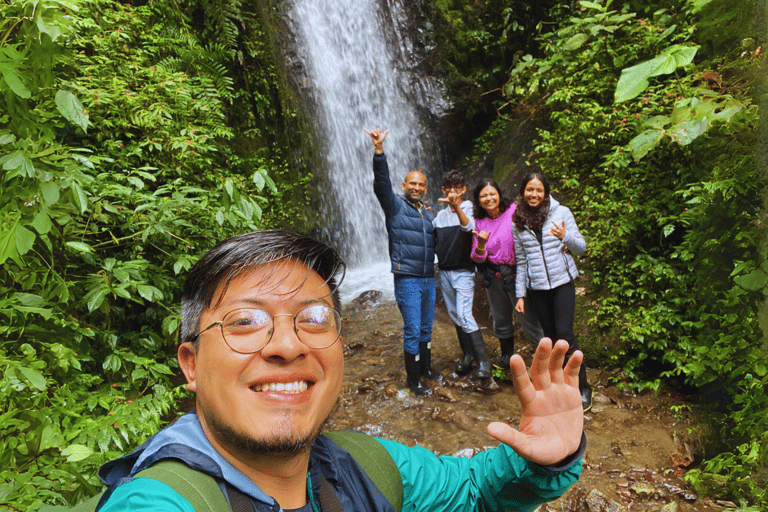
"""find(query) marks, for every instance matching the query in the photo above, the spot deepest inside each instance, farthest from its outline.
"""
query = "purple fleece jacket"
(500, 247)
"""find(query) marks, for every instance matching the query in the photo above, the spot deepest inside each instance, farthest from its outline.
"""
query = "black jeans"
(554, 308)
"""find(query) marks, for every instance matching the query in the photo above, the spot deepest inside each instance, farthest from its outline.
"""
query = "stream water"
(638, 447)
(356, 60)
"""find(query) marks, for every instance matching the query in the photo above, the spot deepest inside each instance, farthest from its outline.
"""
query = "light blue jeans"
(458, 287)
(415, 298)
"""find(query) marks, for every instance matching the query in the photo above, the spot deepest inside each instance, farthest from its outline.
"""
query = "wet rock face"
(365, 299)
(637, 449)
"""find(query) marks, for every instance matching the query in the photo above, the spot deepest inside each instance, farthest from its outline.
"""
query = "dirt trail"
(638, 446)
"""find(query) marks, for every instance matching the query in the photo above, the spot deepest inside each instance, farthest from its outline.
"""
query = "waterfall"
(355, 60)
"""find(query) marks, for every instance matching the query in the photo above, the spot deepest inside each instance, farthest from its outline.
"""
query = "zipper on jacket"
(543, 258)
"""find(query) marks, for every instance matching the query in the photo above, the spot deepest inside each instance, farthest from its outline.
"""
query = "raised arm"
(382, 184)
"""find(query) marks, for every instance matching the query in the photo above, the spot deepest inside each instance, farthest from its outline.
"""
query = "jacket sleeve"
(145, 495)
(467, 209)
(522, 263)
(382, 185)
(573, 239)
(494, 480)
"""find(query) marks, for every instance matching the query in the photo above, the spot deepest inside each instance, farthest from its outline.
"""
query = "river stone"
(365, 299)
(391, 390)
(462, 421)
(599, 502)
(446, 394)
(642, 489)
(600, 398)
(671, 507)
(488, 387)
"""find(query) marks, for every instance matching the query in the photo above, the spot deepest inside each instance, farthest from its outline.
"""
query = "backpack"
(204, 494)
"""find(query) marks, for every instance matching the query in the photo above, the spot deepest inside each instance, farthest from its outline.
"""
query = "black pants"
(554, 309)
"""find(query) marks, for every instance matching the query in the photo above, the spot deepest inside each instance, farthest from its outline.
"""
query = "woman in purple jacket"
(493, 248)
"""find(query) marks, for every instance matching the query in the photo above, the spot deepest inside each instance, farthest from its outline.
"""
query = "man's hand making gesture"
(553, 420)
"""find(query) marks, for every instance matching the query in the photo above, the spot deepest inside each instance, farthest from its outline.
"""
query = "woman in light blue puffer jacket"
(546, 237)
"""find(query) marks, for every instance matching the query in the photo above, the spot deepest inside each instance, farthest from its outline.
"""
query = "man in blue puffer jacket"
(412, 253)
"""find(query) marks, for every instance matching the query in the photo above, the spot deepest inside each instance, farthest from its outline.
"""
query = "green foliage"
(117, 168)
(654, 146)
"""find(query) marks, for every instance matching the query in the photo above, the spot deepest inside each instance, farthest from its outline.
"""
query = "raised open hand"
(553, 420)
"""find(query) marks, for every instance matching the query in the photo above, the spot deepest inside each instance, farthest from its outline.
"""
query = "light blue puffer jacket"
(544, 266)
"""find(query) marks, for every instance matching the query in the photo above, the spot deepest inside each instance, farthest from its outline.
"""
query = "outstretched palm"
(552, 421)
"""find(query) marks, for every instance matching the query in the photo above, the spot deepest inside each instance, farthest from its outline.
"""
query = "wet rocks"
(365, 300)
(599, 502)
(446, 394)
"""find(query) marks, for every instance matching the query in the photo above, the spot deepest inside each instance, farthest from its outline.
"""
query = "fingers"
(524, 389)
(556, 361)
(504, 433)
(571, 370)
(540, 375)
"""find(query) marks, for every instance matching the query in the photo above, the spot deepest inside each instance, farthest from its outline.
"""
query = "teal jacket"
(497, 479)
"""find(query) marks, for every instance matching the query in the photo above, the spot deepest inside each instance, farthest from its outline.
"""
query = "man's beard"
(278, 444)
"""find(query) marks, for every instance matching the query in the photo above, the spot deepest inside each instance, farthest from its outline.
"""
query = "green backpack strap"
(375, 461)
(199, 489)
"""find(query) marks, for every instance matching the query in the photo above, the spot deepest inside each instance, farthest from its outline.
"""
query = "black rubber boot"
(507, 351)
(465, 342)
(585, 389)
(481, 355)
(425, 361)
(412, 371)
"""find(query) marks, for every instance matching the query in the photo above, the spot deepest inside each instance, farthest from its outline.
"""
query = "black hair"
(454, 177)
(533, 218)
(479, 211)
(236, 255)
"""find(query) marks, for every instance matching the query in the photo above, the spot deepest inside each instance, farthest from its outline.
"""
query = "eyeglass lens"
(249, 330)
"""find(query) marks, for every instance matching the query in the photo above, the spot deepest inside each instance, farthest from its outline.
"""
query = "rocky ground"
(639, 446)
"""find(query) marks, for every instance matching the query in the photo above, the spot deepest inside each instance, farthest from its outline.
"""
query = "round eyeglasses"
(249, 330)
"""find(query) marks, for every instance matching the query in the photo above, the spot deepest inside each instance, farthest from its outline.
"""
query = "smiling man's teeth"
(283, 387)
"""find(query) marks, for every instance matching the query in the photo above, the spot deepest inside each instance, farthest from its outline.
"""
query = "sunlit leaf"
(76, 452)
(34, 377)
(71, 108)
(575, 42)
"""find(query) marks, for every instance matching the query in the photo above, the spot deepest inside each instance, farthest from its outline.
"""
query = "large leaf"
(14, 83)
(645, 142)
(71, 108)
(575, 42)
(685, 133)
(634, 80)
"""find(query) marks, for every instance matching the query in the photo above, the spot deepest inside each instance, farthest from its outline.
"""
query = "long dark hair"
(479, 211)
(525, 216)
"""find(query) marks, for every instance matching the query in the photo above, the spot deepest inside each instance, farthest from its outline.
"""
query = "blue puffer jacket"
(544, 266)
(410, 230)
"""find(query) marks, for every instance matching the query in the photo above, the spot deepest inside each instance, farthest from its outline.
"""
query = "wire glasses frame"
(248, 330)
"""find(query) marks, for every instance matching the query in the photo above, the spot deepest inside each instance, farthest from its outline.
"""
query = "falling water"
(353, 56)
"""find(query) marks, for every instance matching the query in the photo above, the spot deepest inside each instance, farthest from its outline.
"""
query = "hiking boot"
(507, 351)
(425, 362)
(585, 389)
(481, 355)
(465, 342)
(412, 371)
